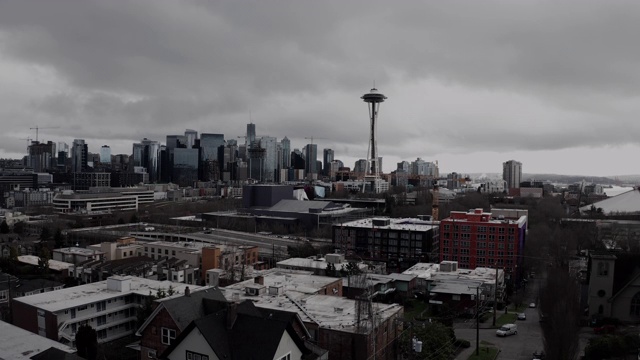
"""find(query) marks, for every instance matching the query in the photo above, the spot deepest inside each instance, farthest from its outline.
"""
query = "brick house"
(172, 315)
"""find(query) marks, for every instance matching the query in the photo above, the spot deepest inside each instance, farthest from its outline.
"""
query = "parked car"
(538, 355)
(532, 305)
(522, 316)
(604, 329)
(507, 329)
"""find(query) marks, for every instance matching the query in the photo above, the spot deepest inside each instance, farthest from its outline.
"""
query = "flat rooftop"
(327, 311)
(78, 251)
(20, 344)
(53, 264)
(412, 224)
(193, 245)
(431, 271)
(319, 264)
(300, 281)
(90, 293)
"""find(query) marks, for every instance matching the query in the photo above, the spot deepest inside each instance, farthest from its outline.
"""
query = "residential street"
(515, 347)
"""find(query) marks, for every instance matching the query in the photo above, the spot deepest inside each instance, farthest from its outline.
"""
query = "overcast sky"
(553, 84)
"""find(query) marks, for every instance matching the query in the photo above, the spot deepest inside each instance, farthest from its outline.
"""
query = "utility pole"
(478, 321)
(495, 297)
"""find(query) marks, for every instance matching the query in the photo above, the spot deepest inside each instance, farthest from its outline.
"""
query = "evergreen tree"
(58, 238)
(87, 342)
(4, 227)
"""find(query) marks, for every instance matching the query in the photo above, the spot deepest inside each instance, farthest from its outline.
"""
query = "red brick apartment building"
(478, 238)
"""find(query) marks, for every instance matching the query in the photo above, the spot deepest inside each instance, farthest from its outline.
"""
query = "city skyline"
(470, 85)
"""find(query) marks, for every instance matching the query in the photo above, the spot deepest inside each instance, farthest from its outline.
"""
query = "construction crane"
(313, 137)
(435, 203)
(37, 128)
(28, 142)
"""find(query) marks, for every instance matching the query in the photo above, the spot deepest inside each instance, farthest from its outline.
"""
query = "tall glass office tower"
(79, 155)
(147, 154)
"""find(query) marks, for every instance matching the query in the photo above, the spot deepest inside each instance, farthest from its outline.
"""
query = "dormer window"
(603, 268)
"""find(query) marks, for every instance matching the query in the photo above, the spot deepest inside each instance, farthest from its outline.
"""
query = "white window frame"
(166, 332)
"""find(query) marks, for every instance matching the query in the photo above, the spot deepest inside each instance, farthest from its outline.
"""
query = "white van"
(507, 329)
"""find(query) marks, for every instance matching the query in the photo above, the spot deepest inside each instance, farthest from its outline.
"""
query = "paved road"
(515, 347)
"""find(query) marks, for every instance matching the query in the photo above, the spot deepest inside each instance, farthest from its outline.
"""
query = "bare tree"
(560, 304)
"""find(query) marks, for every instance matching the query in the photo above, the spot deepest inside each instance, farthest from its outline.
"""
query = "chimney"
(259, 280)
(187, 291)
(232, 314)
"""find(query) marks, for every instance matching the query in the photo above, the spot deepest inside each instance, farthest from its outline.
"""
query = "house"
(172, 315)
(614, 286)
(240, 331)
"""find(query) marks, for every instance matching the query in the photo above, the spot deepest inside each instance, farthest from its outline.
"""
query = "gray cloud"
(461, 76)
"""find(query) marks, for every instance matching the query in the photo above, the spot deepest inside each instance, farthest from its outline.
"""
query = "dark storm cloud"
(461, 76)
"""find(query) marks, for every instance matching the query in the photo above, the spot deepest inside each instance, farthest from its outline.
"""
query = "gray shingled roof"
(251, 326)
(185, 309)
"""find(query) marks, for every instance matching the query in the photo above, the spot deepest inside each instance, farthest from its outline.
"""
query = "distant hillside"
(567, 179)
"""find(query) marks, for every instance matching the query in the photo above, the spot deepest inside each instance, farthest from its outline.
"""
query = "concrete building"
(110, 307)
(88, 180)
(76, 255)
(493, 187)
(318, 265)
(330, 319)
(101, 200)
(105, 154)
(485, 239)
(512, 173)
(424, 168)
(399, 242)
(19, 344)
(125, 247)
(446, 283)
(201, 255)
(41, 156)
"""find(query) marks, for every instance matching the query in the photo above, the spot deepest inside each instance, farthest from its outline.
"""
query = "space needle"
(373, 100)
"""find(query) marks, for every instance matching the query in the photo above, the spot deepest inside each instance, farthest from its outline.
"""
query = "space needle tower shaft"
(373, 100)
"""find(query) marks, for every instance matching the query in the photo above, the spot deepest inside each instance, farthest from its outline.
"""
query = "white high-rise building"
(512, 173)
(105, 154)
